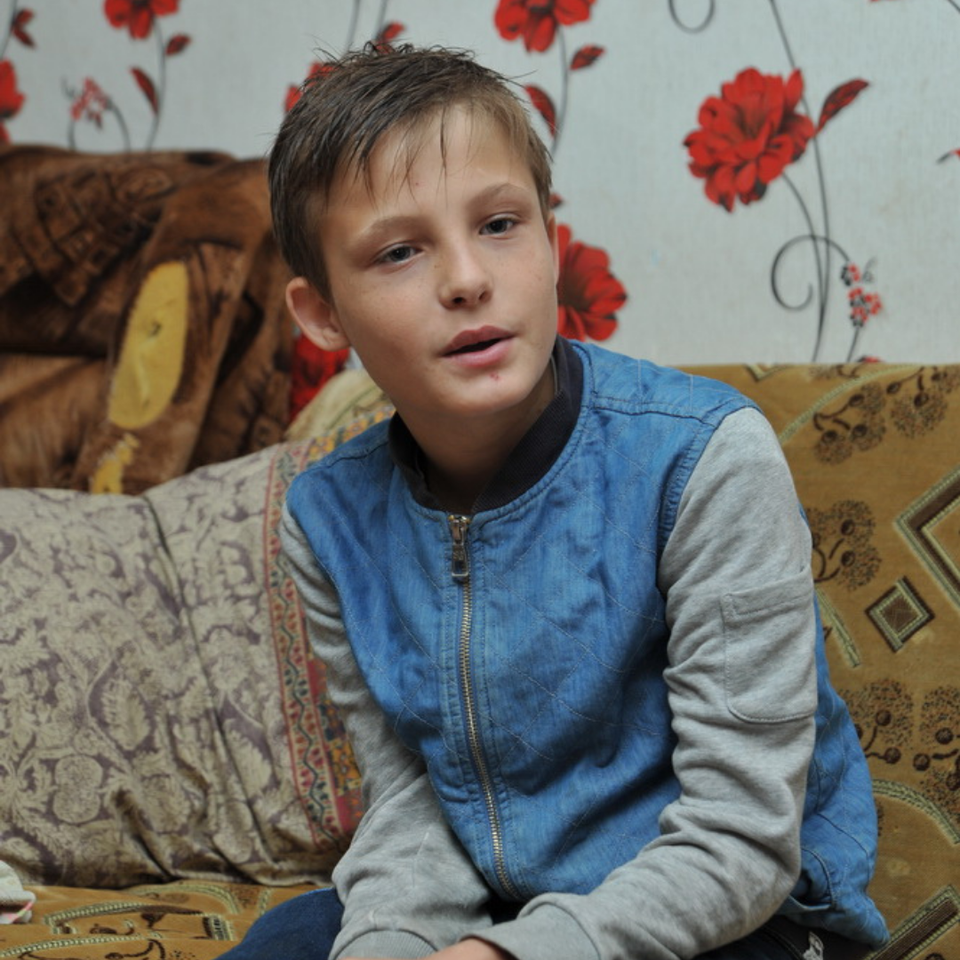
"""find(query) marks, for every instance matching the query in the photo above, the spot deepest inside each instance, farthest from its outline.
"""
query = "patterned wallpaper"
(734, 179)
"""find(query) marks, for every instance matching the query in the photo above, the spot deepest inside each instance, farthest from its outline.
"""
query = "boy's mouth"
(475, 341)
(476, 347)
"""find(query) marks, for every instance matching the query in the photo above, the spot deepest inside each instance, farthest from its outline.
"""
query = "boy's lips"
(474, 341)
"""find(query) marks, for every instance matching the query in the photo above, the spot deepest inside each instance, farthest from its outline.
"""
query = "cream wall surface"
(827, 127)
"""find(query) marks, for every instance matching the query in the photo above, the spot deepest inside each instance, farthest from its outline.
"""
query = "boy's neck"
(458, 491)
(461, 460)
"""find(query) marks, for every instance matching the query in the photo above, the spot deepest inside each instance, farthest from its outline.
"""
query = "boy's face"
(442, 276)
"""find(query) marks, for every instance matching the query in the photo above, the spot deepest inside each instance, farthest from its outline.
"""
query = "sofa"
(170, 764)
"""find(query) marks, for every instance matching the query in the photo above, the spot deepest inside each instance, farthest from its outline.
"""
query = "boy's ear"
(315, 315)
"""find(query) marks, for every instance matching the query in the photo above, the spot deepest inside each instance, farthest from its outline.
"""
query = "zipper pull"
(459, 565)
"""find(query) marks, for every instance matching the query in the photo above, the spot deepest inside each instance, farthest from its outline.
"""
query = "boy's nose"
(465, 281)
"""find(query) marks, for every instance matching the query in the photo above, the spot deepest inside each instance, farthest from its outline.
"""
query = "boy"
(564, 597)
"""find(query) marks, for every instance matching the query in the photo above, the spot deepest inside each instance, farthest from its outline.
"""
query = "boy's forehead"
(454, 135)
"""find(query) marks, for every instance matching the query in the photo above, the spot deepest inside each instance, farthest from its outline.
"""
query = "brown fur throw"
(142, 324)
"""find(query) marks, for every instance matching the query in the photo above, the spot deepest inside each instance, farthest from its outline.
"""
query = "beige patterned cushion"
(160, 714)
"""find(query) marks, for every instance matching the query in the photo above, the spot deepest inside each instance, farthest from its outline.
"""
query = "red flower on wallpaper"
(589, 294)
(90, 103)
(537, 20)
(138, 15)
(748, 136)
(863, 305)
(11, 99)
(310, 370)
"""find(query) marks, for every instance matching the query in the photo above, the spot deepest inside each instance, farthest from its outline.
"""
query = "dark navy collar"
(530, 459)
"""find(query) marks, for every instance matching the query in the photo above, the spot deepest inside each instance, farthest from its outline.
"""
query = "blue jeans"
(304, 928)
(781, 939)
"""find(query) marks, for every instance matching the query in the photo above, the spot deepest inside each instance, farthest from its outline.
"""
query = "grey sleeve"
(407, 885)
(742, 688)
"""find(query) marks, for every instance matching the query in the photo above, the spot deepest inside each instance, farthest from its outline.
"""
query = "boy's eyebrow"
(506, 191)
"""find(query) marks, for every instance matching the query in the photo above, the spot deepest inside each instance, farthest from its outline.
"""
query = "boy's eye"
(499, 225)
(398, 254)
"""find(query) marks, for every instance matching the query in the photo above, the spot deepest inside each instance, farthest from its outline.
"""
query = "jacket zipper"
(460, 572)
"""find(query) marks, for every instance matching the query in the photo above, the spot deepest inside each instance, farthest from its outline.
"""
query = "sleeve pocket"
(769, 651)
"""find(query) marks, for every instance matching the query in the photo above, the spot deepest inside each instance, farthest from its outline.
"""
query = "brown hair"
(349, 104)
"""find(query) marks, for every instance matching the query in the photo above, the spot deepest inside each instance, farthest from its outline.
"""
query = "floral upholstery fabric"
(875, 453)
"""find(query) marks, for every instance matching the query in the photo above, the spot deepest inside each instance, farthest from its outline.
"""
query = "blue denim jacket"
(521, 651)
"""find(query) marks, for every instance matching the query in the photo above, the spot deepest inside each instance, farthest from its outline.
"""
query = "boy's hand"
(471, 949)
